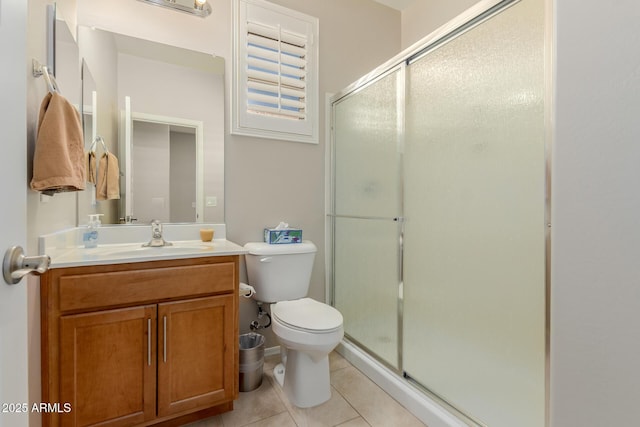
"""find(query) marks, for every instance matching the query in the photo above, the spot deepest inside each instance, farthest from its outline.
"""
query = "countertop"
(123, 244)
(135, 252)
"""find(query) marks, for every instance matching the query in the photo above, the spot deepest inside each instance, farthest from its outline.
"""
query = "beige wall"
(49, 213)
(595, 306)
(355, 36)
(422, 17)
(43, 215)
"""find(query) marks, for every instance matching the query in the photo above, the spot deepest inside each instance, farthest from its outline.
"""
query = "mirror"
(160, 111)
(66, 59)
(88, 107)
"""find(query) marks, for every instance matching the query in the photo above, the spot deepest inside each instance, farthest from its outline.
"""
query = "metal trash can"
(251, 361)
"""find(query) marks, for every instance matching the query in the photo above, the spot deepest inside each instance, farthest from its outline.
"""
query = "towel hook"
(94, 143)
(42, 70)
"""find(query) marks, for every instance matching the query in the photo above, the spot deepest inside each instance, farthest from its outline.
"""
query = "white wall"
(182, 176)
(595, 295)
(150, 177)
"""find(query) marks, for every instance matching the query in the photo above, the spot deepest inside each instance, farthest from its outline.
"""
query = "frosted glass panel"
(366, 250)
(474, 272)
(366, 277)
(366, 155)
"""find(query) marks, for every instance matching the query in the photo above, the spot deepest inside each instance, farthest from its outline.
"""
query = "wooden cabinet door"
(196, 353)
(108, 367)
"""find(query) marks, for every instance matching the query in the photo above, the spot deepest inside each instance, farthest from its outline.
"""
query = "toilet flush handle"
(265, 259)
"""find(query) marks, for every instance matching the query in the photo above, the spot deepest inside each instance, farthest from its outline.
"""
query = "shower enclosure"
(439, 214)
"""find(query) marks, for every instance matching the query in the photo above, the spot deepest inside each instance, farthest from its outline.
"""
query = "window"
(275, 79)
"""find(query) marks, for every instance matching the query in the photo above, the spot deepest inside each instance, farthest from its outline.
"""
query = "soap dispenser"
(90, 235)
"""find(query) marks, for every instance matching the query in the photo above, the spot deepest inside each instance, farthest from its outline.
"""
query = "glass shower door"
(366, 207)
(474, 266)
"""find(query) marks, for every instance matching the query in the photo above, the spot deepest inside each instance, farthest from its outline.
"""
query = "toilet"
(307, 330)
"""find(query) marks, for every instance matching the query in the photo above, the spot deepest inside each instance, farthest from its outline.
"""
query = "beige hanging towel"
(91, 167)
(108, 186)
(58, 161)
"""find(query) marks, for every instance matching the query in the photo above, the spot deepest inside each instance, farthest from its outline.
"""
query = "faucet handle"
(156, 235)
(156, 229)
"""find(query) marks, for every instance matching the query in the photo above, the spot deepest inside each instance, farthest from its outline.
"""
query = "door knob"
(16, 265)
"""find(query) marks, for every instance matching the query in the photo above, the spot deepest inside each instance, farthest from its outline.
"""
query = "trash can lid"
(251, 340)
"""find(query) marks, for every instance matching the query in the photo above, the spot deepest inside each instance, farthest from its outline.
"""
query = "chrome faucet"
(156, 235)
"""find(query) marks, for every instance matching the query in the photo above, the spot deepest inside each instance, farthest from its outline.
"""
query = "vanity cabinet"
(138, 344)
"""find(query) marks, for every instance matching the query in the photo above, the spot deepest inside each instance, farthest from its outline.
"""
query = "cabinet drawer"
(85, 291)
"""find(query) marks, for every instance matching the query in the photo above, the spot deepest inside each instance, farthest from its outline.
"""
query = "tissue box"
(279, 236)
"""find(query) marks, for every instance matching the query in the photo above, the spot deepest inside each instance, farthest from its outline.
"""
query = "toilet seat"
(307, 315)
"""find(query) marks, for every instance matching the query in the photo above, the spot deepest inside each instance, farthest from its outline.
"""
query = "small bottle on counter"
(90, 235)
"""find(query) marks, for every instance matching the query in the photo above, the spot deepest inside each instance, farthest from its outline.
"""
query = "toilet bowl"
(308, 331)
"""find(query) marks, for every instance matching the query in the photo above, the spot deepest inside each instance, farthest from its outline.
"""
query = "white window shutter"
(275, 72)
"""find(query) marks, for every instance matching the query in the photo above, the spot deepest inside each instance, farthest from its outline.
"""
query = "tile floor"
(355, 402)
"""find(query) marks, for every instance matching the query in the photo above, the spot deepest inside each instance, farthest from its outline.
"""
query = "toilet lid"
(262, 248)
(306, 313)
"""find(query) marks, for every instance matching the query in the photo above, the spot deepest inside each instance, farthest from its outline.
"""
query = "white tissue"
(246, 291)
(282, 226)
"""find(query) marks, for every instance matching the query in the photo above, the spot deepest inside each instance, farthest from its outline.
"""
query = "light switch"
(212, 201)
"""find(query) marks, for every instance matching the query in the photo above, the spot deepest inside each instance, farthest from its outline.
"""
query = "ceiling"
(395, 4)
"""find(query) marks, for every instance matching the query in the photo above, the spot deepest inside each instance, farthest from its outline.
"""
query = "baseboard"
(272, 351)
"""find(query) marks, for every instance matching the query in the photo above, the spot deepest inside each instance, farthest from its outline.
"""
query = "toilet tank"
(280, 272)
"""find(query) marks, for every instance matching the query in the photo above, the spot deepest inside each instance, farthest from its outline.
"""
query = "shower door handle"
(376, 218)
(16, 265)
